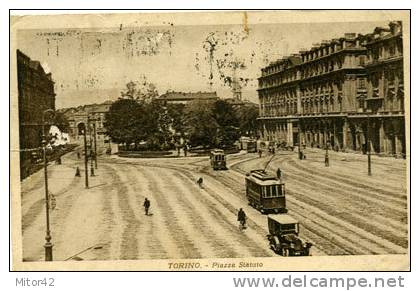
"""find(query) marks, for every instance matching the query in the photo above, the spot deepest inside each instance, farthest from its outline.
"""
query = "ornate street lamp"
(327, 158)
(368, 149)
(48, 245)
(86, 157)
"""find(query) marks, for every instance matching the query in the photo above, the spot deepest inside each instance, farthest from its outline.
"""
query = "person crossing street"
(242, 219)
(146, 205)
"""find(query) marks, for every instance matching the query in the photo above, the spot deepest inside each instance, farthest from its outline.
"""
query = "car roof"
(282, 218)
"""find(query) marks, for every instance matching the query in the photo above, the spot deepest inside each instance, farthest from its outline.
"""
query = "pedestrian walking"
(260, 152)
(78, 155)
(185, 150)
(200, 182)
(77, 172)
(146, 205)
(279, 173)
(242, 219)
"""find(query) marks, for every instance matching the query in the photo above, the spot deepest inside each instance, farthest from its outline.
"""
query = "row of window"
(391, 50)
(265, 191)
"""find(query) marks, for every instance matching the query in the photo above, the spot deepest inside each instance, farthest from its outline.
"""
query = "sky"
(94, 65)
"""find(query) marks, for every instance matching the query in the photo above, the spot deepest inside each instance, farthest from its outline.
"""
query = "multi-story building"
(333, 94)
(385, 90)
(279, 98)
(35, 95)
(80, 117)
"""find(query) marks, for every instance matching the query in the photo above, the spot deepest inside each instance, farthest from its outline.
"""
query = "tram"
(265, 192)
(218, 160)
(251, 146)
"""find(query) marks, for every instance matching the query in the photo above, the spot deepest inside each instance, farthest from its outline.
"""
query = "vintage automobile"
(218, 159)
(265, 192)
(283, 236)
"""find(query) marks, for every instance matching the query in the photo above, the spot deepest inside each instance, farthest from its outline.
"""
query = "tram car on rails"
(251, 146)
(265, 192)
(284, 236)
(218, 160)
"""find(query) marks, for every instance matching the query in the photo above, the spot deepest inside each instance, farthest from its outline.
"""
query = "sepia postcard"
(210, 141)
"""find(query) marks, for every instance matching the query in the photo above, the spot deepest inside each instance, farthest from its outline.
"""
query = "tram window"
(275, 192)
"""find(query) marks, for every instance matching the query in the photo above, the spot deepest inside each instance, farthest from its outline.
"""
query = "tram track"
(389, 247)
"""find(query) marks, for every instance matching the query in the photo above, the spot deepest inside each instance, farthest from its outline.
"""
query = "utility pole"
(327, 158)
(94, 140)
(368, 150)
(86, 159)
(299, 149)
(92, 170)
(48, 245)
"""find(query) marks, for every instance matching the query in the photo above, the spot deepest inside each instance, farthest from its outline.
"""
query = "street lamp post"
(94, 140)
(299, 154)
(92, 170)
(48, 245)
(368, 151)
(86, 159)
(327, 158)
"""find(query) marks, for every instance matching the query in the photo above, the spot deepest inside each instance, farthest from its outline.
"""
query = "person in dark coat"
(278, 173)
(146, 205)
(200, 182)
(242, 218)
(260, 152)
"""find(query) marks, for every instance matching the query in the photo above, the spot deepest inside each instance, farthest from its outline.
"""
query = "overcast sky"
(94, 65)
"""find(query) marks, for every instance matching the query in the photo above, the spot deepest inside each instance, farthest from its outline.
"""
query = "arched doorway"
(80, 128)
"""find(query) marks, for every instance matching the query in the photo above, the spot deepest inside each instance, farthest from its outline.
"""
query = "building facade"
(86, 116)
(346, 93)
(35, 95)
(384, 102)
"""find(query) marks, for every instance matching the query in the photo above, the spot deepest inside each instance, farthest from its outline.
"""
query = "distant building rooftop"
(188, 96)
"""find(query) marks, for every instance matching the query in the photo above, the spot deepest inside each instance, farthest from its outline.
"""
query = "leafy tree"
(201, 126)
(122, 123)
(247, 116)
(176, 114)
(142, 91)
(61, 121)
(227, 121)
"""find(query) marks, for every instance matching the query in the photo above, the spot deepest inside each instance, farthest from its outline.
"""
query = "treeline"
(152, 125)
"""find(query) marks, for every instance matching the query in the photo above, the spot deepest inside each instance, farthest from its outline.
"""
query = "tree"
(176, 113)
(142, 91)
(247, 116)
(61, 121)
(122, 121)
(227, 121)
(201, 126)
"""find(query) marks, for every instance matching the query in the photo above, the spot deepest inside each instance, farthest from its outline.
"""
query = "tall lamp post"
(368, 150)
(299, 150)
(94, 141)
(327, 158)
(48, 245)
(94, 147)
(92, 170)
(86, 158)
